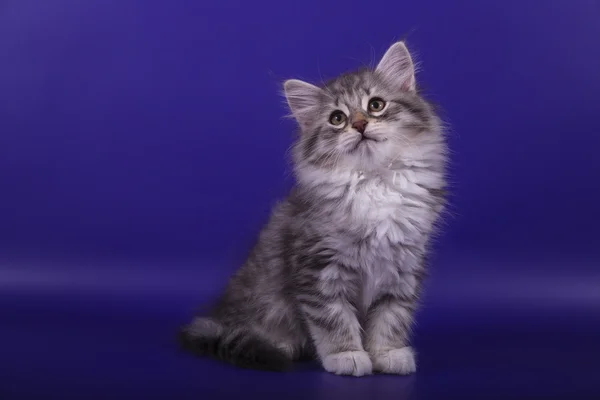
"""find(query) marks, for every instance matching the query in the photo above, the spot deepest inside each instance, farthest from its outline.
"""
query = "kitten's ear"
(302, 98)
(397, 67)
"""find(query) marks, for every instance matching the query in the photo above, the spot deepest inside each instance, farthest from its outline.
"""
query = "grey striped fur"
(336, 272)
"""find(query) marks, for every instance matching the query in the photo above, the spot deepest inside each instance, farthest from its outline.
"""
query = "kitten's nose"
(360, 125)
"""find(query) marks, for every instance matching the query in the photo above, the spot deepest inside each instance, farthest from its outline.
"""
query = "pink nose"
(360, 125)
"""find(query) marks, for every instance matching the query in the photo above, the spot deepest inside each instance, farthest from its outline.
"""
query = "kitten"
(337, 270)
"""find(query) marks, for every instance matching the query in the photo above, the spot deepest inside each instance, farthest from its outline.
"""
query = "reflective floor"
(77, 334)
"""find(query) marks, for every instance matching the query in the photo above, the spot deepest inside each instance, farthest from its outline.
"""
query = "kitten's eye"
(337, 118)
(376, 104)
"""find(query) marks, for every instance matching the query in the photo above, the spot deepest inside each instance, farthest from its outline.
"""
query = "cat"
(336, 272)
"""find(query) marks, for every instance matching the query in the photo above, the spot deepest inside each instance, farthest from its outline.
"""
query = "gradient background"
(142, 145)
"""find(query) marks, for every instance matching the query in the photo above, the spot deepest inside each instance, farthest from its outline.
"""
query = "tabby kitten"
(336, 272)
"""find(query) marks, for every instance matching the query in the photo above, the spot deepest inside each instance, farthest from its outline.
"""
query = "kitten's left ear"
(397, 67)
(302, 98)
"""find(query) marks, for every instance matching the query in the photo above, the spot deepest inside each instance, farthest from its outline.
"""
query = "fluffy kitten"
(336, 272)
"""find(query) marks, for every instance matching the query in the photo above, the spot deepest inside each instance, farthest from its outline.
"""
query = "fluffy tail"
(206, 337)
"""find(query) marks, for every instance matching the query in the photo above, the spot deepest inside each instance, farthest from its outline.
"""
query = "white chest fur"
(381, 225)
(391, 208)
(395, 215)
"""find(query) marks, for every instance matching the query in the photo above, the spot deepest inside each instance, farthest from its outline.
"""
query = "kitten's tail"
(206, 337)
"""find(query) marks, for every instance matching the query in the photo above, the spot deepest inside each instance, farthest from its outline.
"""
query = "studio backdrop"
(144, 143)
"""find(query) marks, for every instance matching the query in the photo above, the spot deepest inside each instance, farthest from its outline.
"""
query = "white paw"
(397, 361)
(355, 363)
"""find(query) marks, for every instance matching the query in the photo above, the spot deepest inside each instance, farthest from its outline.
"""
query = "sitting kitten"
(336, 271)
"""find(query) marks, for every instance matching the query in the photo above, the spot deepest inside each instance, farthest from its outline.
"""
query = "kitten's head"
(362, 120)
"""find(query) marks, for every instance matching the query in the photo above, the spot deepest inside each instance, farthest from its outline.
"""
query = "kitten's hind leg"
(201, 337)
(237, 346)
(205, 327)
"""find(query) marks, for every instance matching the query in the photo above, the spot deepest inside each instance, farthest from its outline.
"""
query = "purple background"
(142, 144)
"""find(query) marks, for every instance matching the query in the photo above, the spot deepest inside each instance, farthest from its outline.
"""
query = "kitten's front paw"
(355, 363)
(397, 361)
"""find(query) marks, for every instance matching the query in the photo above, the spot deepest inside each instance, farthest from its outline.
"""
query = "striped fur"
(336, 272)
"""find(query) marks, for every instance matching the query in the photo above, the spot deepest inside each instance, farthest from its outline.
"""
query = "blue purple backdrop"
(142, 145)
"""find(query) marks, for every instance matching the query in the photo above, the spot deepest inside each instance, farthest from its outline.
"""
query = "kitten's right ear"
(302, 98)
